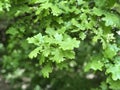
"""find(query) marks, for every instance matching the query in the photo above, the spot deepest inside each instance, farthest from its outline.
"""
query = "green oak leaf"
(46, 70)
(111, 51)
(114, 84)
(95, 63)
(111, 20)
(69, 44)
(35, 52)
(114, 70)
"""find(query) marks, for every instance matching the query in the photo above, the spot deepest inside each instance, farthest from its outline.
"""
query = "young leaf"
(46, 70)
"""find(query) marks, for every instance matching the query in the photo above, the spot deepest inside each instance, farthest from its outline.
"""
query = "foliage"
(61, 40)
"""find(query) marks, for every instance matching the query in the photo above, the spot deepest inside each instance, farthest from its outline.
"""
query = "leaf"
(1, 6)
(82, 35)
(46, 5)
(62, 65)
(80, 2)
(42, 59)
(114, 70)
(69, 44)
(75, 23)
(58, 56)
(64, 6)
(111, 51)
(12, 31)
(46, 70)
(50, 31)
(104, 86)
(37, 39)
(116, 7)
(58, 37)
(21, 10)
(56, 10)
(69, 54)
(100, 3)
(35, 52)
(111, 20)
(37, 1)
(98, 11)
(114, 85)
(95, 64)
(46, 51)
